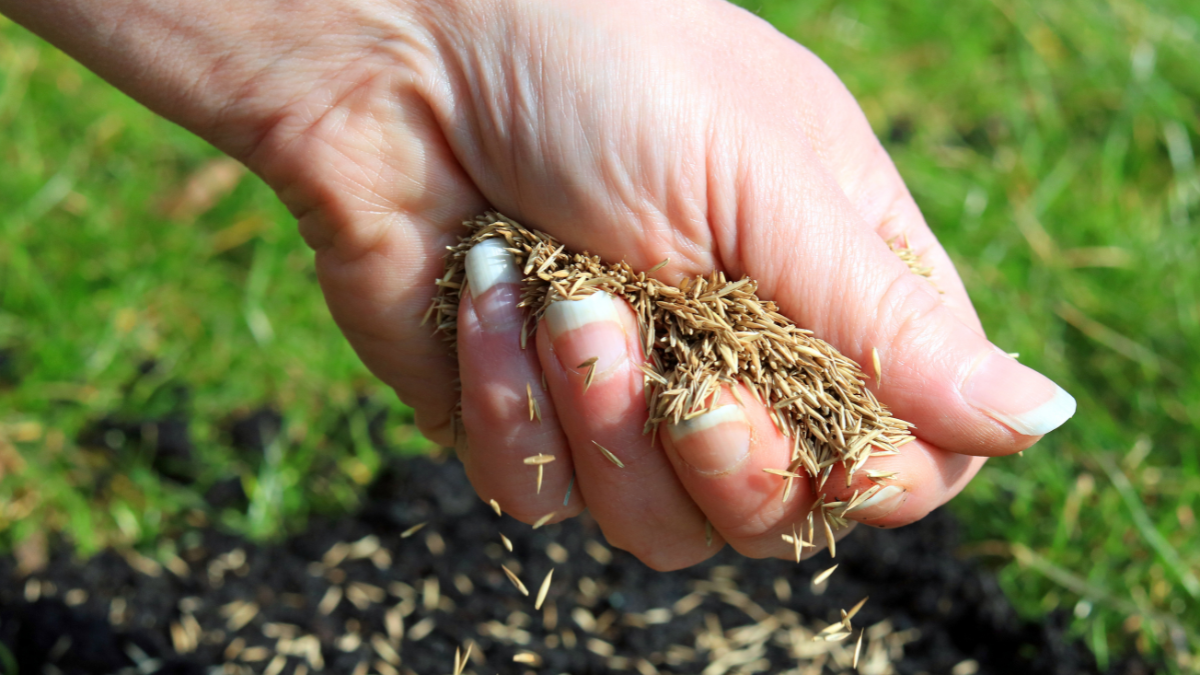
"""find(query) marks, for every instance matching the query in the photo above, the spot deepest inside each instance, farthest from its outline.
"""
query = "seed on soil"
(515, 581)
(421, 629)
(556, 552)
(545, 588)
(529, 658)
(416, 528)
(599, 552)
(330, 600)
(611, 457)
(384, 650)
(435, 543)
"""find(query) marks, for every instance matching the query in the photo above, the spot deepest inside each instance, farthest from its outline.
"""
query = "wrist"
(224, 69)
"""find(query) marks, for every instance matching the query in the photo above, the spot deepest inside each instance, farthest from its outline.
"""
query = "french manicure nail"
(494, 281)
(1018, 396)
(582, 330)
(713, 443)
(880, 504)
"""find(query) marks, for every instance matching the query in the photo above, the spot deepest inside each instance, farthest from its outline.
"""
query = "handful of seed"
(706, 333)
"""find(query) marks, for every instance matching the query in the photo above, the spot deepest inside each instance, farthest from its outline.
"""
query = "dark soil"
(946, 614)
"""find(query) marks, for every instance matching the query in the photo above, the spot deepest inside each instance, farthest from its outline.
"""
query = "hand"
(637, 130)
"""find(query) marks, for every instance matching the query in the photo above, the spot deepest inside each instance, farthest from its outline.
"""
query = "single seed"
(495, 507)
(822, 576)
(515, 581)
(857, 648)
(708, 536)
(416, 528)
(544, 519)
(507, 543)
(545, 588)
(539, 459)
(611, 457)
(781, 472)
(659, 266)
(856, 607)
(878, 368)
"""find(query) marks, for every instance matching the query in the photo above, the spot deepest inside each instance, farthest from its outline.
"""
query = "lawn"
(147, 285)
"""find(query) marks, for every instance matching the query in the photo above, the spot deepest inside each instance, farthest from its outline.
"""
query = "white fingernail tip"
(710, 419)
(1043, 419)
(885, 497)
(489, 264)
(566, 315)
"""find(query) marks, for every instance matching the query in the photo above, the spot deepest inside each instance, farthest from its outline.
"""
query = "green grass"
(1049, 144)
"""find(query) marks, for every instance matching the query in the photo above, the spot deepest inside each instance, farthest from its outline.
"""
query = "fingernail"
(713, 443)
(495, 285)
(585, 329)
(880, 504)
(1018, 396)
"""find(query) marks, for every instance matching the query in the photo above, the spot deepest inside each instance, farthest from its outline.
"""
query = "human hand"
(634, 130)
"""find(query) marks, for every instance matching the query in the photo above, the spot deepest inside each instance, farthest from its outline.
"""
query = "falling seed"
(544, 519)
(857, 648)
(590, 364)
(796, 542)
(878, 368)
(507, 543)
(515, 581)
(545, 588)
(495, 507)
(611, 457)
(416, 528)
(822, 576)
(855, 608)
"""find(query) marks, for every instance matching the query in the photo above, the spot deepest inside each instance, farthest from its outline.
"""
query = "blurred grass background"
(149, 288)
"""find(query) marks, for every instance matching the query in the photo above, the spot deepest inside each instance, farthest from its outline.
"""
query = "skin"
(634, 129)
